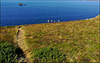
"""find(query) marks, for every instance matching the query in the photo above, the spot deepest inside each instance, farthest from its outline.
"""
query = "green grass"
(79, 40)
(8, 53)
(48, 54)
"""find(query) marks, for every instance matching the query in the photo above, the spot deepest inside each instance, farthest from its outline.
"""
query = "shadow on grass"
(20, 53)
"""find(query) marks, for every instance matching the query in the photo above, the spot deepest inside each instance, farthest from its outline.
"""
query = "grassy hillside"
(8, 52)
(7, 34)
(79, 40)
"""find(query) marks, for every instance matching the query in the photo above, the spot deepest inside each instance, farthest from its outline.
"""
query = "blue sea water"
(36, 12)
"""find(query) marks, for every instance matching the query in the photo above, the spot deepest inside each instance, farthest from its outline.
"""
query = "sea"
(37, 12)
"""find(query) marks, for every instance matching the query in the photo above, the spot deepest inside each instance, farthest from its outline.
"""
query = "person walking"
(54, 21)
(51, 21)
(58, 20)
(48, 21)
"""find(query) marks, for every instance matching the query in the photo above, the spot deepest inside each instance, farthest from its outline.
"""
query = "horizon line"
(46, 1)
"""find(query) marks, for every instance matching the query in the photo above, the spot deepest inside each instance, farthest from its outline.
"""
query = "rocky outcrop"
(25, 4)
(20, 4)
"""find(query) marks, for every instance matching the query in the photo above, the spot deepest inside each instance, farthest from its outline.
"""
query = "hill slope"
(79, 40)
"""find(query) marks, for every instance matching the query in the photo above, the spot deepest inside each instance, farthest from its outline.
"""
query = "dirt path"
(20, 41)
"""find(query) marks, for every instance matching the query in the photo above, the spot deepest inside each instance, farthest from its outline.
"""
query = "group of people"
(53, 21)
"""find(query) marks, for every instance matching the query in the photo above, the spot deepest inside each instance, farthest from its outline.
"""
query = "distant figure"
(54, 21)
(58, 20)
(19, 27)
(48, 21)
(51, 21)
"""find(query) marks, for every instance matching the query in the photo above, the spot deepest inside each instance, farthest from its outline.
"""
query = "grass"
(8, 53)
(79, 40)
(48, 55)
(7, 34)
